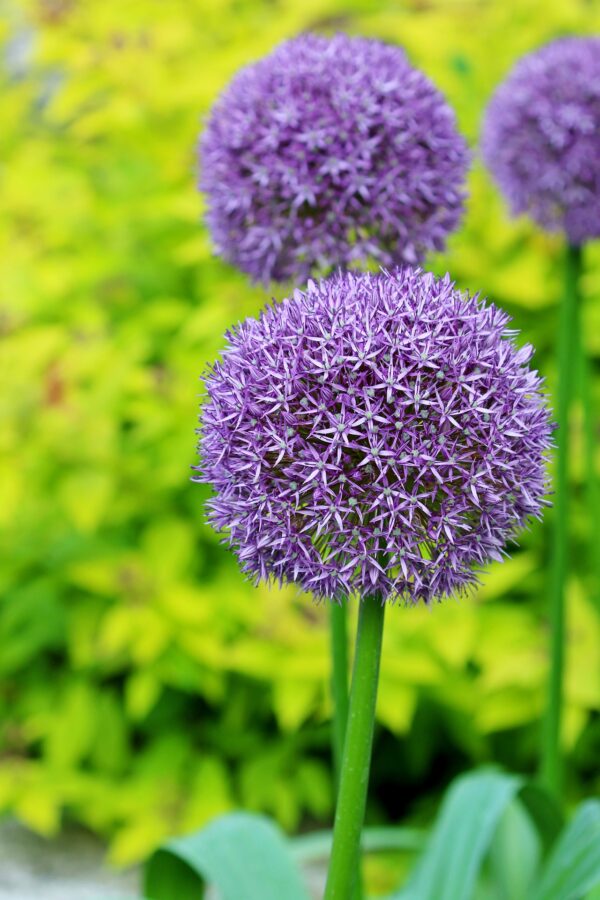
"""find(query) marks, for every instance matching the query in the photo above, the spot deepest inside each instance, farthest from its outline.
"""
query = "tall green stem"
(356, 761)
(567, 348)
(339, 681)
(338, 619)
(592, 494)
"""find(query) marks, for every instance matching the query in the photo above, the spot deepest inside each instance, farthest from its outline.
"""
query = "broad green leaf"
(244, 856)
(515, 854)
(574, 865)
(461, 837)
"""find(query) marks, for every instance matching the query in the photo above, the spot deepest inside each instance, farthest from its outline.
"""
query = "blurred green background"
(144, 685)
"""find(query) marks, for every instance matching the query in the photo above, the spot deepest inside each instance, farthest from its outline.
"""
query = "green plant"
(496, 836)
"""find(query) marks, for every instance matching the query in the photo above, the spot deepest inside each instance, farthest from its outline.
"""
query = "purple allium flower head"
(541, 137)
(378, 433)
(328, 153)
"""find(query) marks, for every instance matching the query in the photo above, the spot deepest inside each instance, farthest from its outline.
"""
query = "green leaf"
(574, 865)
(244, 856)
(544, 812)
(461, 837)
(515, 854)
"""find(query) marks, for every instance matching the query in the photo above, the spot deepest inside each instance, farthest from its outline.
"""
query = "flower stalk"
(338, 628)
(590, 430)
(567, 350)
(352, 795)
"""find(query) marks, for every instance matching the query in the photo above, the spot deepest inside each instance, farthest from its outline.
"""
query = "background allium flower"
(376, 433)
(330, 152)
(541, 137)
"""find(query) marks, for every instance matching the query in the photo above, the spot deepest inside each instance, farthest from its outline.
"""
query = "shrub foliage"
(144, 686)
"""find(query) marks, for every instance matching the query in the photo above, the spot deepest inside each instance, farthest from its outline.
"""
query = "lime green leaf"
(294, 700)
(72, 724)
(245, 856)
(142, 690)
(96, 487)
(137, 839)
(574, 865)
(314, 786)
(209, 793)
(39, 808)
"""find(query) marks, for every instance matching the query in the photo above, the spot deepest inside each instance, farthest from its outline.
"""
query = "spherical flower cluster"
(541, 137)
(378, 433)
(328, 153)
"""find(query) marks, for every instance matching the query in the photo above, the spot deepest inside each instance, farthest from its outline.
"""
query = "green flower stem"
(339, 689)
(356, 762)
(567, 350)
(590, 426)
(338, 620)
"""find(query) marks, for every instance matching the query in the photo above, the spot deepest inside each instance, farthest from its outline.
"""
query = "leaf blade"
(244, 855)
(461, 837)
(573, 868)
(515, 853)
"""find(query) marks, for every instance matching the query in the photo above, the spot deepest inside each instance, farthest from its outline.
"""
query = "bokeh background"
(144, 685)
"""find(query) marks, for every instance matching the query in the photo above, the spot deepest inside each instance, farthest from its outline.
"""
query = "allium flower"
(328, 153)
(541, 137)
(378, 433)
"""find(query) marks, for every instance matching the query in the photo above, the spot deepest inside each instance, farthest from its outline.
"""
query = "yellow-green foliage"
(144, 686)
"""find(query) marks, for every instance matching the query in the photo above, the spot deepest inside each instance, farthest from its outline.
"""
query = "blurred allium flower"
(541, 137)
(327, 153)
(376, 433)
